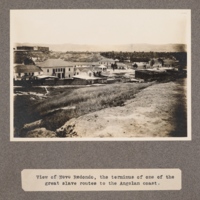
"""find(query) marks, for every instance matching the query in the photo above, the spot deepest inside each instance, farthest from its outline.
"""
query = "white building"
(107, 61)
(59, 68)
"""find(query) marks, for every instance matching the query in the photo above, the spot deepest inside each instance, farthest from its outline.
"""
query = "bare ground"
(157, 111)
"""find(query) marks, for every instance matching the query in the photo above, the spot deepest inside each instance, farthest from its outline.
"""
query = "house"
(100, 71)
(170, 63)
(85, 76)
(85, 64)
(68, 70)
(151, 74)
(77, 71)
(140, 65)
(156, 63)
(59, 68)
(106, 62)
(86, 72)
(121, 66)
(89, 75)
(100, 68)
(116, 60)
(26, 72)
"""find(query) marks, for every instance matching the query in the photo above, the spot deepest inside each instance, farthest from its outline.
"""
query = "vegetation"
(95, 57)
(76, 56)
(85, 100)
(147, 56)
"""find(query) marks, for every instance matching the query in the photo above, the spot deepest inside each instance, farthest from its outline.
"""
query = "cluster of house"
(155, 64)
(58, 68)
(88, 71)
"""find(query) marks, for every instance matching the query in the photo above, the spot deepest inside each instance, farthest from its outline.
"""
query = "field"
(63, 104)
(148, 109)
(156, 111)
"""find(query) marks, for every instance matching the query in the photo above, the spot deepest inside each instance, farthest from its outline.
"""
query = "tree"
(161, 61)
(113, 66)
(135, 66)
(152, 62)
(28, 61)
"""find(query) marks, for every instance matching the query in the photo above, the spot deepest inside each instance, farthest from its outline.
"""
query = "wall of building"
(69, 72)
(107, 63)
(60, 72)
(77, 71)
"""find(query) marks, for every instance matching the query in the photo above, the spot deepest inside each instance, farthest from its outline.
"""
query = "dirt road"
(157, 111)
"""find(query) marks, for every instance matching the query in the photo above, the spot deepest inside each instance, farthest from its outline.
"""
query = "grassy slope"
(85, 100)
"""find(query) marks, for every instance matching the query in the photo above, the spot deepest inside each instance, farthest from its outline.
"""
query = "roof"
(85, 63)
(45, 76)
(82, 69)
(55, 63)
(102, 66)
(106, 60)
(97, 68)
(170, 61)
(106, 74)
(121, 64)
(85, 77)
(26, 68)
(151, 71)
(85, 70)
(142, 62)
(139, 64)
(49, 63)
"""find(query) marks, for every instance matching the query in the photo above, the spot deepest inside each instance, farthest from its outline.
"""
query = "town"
(35, 65)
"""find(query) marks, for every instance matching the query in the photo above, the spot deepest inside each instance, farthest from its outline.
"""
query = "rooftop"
(85, 77)
(54, 63)
(107, 60)
(61, 63)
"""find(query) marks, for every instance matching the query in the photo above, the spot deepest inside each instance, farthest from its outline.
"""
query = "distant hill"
(98, 48)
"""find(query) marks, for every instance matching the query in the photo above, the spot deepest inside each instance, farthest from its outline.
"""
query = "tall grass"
(86, 100)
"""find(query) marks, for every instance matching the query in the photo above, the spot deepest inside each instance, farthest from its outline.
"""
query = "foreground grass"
(85, 100)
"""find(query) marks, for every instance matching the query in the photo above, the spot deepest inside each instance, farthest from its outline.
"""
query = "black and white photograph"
(100, 74)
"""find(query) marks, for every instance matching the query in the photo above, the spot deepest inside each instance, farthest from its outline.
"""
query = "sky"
(95, 27)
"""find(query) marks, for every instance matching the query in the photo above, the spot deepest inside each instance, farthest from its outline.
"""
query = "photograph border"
(189, 114)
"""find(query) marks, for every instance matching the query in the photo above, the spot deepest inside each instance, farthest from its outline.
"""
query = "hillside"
(117, 110)
(143, 116)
